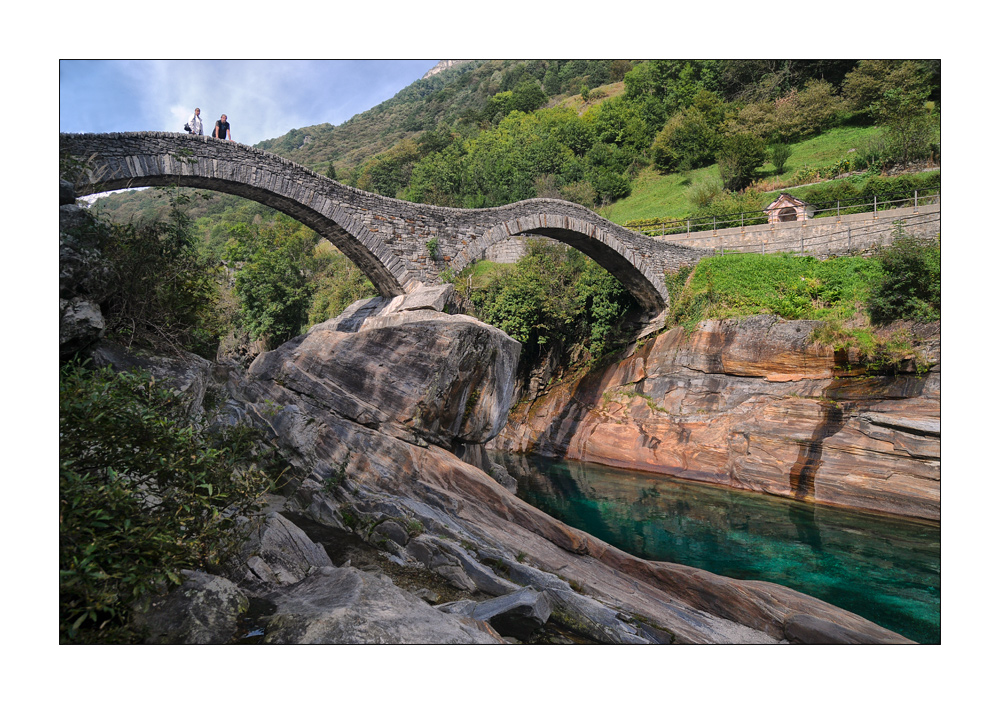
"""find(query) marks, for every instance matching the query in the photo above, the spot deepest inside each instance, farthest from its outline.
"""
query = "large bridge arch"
(390, 240)
(133, 160)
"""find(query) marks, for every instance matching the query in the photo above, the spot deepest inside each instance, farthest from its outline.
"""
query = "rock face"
(204, 610)
(373, 461)
(351, 607)
(752, 405)
(83, 275)
(407, 369)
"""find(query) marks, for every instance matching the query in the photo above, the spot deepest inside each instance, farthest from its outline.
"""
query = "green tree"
(884, 89)
(337, 283)
(779, 156)
(389, 172)
(526, 97)
(554, 295)
(621, 122)
(271, 281)
(740, 156)
(686, 142)
(910, 287)
(162, 291)
(437, 179)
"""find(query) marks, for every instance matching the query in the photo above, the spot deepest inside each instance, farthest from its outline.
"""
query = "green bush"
(338, 283)
(162, 291)
(271, 281)
(554, 294)
(779, 155)
(910, 287)
(740, 156)
(687, 141)
(143, 494)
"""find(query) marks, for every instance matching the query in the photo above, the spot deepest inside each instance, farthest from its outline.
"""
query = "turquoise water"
(885, 569)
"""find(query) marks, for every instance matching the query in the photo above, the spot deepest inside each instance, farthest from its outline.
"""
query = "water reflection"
(885, 569)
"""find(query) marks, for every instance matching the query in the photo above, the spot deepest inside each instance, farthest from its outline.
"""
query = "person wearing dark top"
(222, 129)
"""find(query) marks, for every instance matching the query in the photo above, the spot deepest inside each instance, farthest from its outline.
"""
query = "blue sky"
(262, 98)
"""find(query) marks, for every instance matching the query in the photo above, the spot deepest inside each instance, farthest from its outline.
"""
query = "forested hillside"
(488, 133)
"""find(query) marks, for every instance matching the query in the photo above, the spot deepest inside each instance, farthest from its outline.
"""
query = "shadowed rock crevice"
(802, 476)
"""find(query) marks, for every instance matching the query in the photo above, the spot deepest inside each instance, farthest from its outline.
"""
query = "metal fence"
(834, 208)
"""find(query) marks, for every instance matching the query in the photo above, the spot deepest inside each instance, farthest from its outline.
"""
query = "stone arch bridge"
(385, 237)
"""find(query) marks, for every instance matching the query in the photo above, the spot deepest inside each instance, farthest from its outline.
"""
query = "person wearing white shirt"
(195, 122)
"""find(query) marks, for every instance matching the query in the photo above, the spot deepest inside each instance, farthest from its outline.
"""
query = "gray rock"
(462, 607)
(393, 531)
(431, 597)
(805, 628)
(451, 375)
(80, 325)
(75, 221)
(277, 553)
(518, 614)
(187, 373)
(347, 606)
(67, 194)
(582, 614)
(204, 610)
(434, 298)
(428, 550)
(500, 473)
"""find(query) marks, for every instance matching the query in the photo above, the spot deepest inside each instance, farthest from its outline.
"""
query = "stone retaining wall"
(820, 236)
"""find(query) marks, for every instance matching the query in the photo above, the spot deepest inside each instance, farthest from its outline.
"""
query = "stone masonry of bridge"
(385, 237)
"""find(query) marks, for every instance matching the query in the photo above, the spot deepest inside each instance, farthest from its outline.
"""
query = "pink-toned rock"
(754, 405)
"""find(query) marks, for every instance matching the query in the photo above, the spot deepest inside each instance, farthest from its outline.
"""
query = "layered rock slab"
(751, 404)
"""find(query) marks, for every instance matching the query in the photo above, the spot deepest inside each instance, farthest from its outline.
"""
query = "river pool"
(883, 568)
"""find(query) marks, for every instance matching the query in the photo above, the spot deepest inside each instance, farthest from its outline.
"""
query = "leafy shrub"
(143, 494)
(162, 292)
(740, 156)
(338, 283)
(779, 155)
(554, 294)
(687, 141)
(910, 288)
(703, 193)
(581, 192)
(271, 283)
(433, 248)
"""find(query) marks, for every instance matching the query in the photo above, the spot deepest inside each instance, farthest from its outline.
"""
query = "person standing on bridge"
(222, 129)
(195, 122)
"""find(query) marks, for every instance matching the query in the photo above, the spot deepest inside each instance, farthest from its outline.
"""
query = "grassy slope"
(665, 195)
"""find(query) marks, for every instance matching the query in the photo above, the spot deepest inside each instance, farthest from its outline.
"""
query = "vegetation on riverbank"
(855, 297)
(143, 494)
(554, 295)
